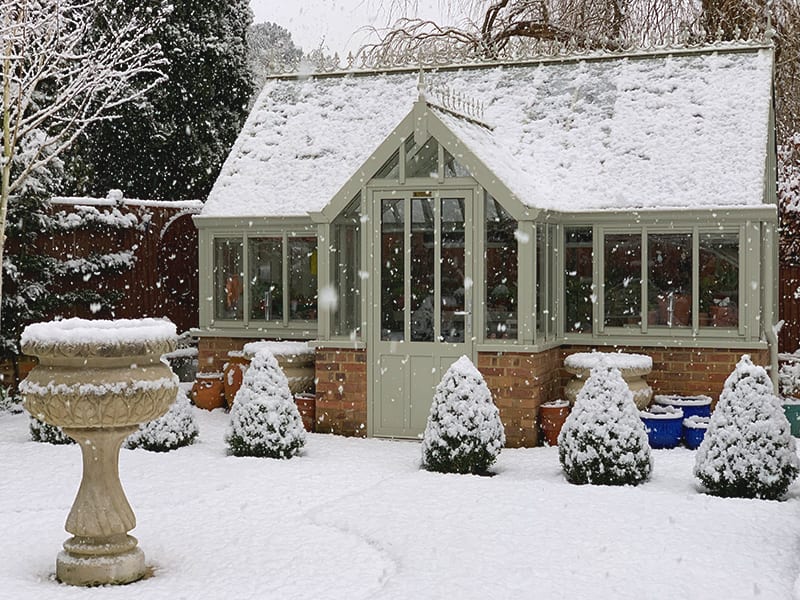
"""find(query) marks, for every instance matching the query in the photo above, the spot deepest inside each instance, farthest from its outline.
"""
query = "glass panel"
(345, 264)
(541, 257)
(266, 279)
(501, 272)
(719, 280)
(228, 277)
(391, 168)
(422, 262)
(422, 161)
(452, 270)
(578, 280)
(623, 280)
(392, 270)
(453, 168)
(669, 279)
(302, 278)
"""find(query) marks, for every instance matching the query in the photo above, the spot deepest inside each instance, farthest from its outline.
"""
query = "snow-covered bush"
(264, 418)
(175, 429)
(9, 402)
(464, 433)
(748, 450)
(603, 440)
(50, 434)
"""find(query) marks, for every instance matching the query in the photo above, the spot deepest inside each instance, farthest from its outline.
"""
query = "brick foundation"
(342, 392)
(684, 371)
(212, 352)
(519, 384)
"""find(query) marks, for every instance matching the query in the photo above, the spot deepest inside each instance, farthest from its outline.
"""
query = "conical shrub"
(264, 418)
(748, 450)
(603, 441)
(175, 429)
(464, 433)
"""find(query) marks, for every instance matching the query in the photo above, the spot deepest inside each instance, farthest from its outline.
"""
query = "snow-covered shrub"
(264, 418)
(9, 402)
(464, 433)
(603, 440)
(175, 429)
(50, 434)
(748, 450)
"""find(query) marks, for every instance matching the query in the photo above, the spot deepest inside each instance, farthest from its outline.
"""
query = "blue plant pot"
(664, 427)
(694, 431)
(692, 406)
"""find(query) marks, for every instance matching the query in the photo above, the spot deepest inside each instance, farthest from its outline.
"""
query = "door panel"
(423, 257)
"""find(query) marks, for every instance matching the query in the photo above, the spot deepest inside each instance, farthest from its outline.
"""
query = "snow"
(356, 519)
(615, 360)
(614, 133)
(99, 331)
(278, 348)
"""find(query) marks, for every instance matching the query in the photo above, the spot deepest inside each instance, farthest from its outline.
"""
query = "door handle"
(462, 313)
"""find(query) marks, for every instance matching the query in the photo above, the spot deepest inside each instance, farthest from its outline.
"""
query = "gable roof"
(637, 132)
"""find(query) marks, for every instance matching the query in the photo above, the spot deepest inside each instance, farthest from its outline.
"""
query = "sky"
(334, 23)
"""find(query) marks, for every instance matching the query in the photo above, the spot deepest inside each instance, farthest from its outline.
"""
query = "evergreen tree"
(173, 430)
(171, 144)
(264, 418)
(603, 441)
(464, 433)
(748, 450)
(270, 49)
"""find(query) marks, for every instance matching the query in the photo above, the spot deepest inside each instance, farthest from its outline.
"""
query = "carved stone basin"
(98, 380)
(631, 366)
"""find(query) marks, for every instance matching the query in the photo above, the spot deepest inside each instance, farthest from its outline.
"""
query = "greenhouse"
(514, 213)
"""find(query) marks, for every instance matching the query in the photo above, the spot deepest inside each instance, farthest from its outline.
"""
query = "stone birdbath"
(631, 366)
(98, 380)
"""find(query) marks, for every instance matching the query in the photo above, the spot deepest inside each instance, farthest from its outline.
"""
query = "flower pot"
(631, 366)
(296, 360)
(233, 375)
(791, 407)
(208, 392)
(664, 426)
(307, 405)
(551, 419)
(692, 406)
(694, 430)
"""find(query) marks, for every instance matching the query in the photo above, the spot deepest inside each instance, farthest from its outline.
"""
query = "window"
(392, 270)
(422, 161)
(266, 279)
(719, 280)
(345, 262)
(422, 269)
(228, 276)
(578, 292)
(500, 303)
(669, 280)
(302, 278)
(623, 280)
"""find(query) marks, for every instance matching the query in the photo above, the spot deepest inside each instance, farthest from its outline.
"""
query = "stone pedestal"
(98, 380)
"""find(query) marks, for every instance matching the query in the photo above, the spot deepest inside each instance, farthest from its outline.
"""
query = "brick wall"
(212, 352)
(342, 391)
(684, 371)
(519, 384)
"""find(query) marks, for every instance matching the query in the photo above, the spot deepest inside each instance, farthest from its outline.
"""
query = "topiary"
(264, 418)
(603, 441)
(464, 433)
(748, 450)
(175, 429)
(49, 434)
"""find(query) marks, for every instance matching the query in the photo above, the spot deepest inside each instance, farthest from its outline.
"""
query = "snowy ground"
(354, 518)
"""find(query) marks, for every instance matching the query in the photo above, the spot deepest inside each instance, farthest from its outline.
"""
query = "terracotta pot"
(208, 391)
(233, 375)
(307, 405)
(551, 419)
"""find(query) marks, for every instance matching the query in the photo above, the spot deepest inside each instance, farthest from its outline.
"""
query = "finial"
(421, 85)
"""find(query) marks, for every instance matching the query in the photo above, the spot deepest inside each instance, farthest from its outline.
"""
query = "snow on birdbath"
(98, 380)
(631, 366)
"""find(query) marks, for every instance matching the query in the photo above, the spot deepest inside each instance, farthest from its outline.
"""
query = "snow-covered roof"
(655, 131)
